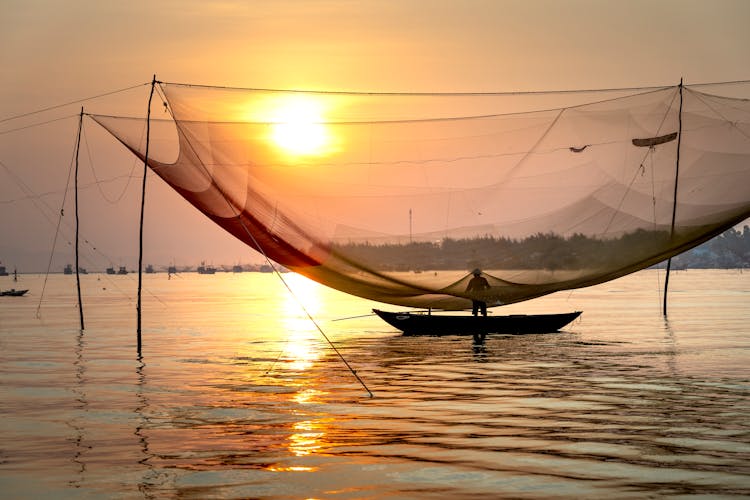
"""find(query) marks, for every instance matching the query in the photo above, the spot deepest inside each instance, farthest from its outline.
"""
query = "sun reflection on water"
(303, 346)
(279, 468)
(308, 396)
(307, 438)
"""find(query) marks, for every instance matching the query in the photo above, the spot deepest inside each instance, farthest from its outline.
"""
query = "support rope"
(54, 240)
(421, 94)
(77, 101)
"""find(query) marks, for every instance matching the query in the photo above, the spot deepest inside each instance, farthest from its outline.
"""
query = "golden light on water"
(301, 352)
(303, 347)
(307, 396)
(276, 468)
(306, 439)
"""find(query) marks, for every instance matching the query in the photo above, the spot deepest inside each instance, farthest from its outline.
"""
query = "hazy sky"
(53, 52)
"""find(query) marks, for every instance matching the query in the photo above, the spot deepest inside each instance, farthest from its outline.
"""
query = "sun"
(298, 128)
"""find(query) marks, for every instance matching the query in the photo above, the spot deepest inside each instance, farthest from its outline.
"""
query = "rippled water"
(238, 396)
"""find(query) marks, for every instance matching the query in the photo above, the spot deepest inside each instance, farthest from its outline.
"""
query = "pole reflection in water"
(78, 422)
(152, 479)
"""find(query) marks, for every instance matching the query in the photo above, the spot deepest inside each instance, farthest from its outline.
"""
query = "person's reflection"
(479, 348)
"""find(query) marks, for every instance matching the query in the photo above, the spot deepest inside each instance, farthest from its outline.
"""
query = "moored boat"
(440, 324)
(13, 292)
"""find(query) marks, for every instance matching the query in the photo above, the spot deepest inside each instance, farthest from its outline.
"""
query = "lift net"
(399, 197)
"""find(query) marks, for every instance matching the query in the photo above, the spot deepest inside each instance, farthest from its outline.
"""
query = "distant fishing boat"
(13, 292)
(204, 269)
(122, 270)
(68, 269)
(111, 270)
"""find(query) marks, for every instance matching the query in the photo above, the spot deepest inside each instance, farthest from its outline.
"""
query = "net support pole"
(143, 205)
(78, 276)
(674, 200)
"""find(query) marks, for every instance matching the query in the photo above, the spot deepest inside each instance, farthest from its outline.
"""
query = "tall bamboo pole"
(143, 205)
(674, 201)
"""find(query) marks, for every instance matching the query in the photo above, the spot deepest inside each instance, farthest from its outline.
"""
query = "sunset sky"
(56, 52)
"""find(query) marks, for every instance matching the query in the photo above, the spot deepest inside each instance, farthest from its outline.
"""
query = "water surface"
(237, 395)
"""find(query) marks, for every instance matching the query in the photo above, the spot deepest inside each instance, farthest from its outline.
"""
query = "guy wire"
(57, 228)
(77, 101)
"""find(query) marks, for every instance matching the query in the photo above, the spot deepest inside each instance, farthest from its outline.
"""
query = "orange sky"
(54, 52)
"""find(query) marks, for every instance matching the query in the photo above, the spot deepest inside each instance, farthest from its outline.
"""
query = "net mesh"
(397, 198)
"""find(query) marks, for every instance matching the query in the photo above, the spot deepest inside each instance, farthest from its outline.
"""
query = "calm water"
(238, 396)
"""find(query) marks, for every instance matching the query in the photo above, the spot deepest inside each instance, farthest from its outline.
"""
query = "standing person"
(478, 284)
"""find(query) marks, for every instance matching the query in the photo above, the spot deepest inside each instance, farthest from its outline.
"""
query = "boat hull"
(514, 324)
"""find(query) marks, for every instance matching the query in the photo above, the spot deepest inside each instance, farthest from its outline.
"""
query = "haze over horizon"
(57, 54)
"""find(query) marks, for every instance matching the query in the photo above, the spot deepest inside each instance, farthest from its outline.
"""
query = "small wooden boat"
(439, 324)
(13, 292)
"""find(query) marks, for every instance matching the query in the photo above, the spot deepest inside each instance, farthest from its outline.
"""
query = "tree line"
(546, 251)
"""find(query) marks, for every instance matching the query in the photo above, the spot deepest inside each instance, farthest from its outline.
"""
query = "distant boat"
(3, 272)
(69, 270)
(237, 269)
(122, 270)
(172, 270)
(203, 269)
(149, 269)
(13, 292)
(111, 270)
(439, 324)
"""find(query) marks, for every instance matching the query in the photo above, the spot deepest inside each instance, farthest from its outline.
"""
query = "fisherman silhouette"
(478, 284)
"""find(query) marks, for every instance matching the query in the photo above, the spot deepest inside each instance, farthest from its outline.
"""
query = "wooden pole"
(143, 205)
(78, 277)
(674, 201)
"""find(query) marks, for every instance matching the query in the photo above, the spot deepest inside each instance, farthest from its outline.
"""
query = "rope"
(36, 124)
(370, 122)
(730, 82)
(420, 94)
(57, 232)
(733, 124)
(77, 101)
(635, 174)
(30, 195)
(97, 182)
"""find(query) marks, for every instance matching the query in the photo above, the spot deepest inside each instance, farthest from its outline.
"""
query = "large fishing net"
(399, 197)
